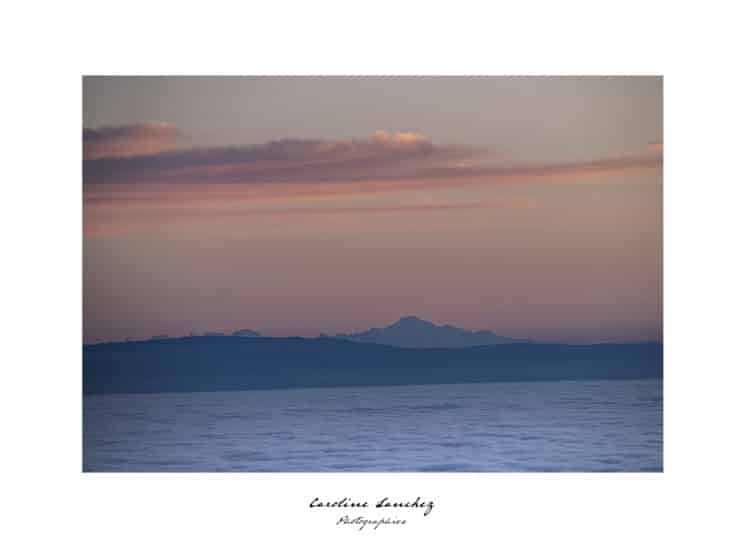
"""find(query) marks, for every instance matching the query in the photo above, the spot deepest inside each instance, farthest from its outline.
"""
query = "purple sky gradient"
(294, 206)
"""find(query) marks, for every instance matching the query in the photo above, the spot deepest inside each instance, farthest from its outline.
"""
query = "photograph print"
(372, 274)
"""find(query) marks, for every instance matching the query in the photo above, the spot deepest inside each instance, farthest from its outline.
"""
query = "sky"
(531, 206)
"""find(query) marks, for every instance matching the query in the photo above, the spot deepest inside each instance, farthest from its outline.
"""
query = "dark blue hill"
(196, 364)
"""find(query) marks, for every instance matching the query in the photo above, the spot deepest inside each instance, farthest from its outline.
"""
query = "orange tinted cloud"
(381, 156)
(102, 218)
(655, 147)
(403, 159)
(130, 140)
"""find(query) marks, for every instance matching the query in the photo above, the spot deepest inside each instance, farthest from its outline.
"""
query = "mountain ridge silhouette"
(414, 332)
(219, 363)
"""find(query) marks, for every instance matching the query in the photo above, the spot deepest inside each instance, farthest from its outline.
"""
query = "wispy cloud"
(112, 221)
(591, 167)
(131, 140)
(401, 158)
(381, 156)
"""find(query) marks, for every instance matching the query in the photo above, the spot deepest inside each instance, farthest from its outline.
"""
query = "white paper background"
(48, 46)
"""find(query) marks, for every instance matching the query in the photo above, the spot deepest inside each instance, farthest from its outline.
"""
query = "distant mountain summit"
(413, 332)
(246, 333)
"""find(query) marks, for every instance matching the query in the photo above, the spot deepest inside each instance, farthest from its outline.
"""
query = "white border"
(47, 50)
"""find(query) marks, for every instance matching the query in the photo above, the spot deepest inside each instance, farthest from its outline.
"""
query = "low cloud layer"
(111, 156)
(130, 140)
(381, 156)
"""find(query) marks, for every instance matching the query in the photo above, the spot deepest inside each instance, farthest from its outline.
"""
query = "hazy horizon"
(321, 334)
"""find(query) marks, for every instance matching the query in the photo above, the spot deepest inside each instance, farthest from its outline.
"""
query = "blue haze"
(578, 426)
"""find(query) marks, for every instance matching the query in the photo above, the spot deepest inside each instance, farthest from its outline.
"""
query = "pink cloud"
(130, 140)
(403, 159)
